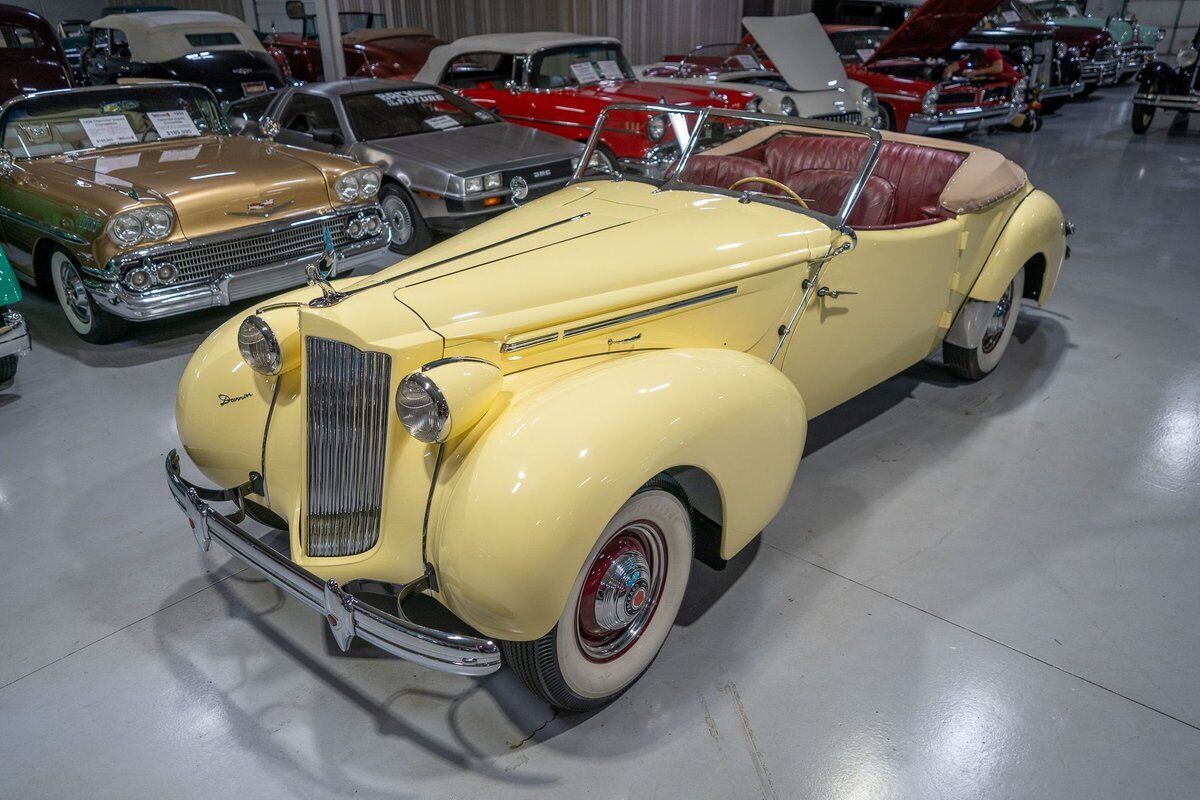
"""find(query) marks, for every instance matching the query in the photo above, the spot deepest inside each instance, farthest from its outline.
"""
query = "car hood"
(933, 27)
(210, 180)
(799, 49)
(468, 150)
(659, 92)
(593, 248)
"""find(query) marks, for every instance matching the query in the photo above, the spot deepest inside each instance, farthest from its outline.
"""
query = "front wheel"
(621, 608)
(972, 363)
(89, 320)
(1143, 115)
(410, 234)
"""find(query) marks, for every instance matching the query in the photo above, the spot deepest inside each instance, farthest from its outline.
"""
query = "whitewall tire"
(621, 608)
(86, 318)
(972, 363)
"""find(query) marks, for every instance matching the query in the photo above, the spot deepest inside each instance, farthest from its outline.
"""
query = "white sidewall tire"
(988, 361)
(59, 259)
(592, 679)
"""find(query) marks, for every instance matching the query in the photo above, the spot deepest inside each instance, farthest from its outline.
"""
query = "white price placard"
(611, 70)
(103, 131)
(864, 53)
(585, 73)
(173, 124)
(442, 122)
(746, 61)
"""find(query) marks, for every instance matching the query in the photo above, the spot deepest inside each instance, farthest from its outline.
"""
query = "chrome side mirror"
(6, 163)
(268, 128)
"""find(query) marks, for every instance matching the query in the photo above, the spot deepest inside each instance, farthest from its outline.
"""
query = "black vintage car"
(214, 50)
(1171, 88)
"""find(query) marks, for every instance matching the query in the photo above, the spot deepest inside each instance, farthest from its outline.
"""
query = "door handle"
(825, 291)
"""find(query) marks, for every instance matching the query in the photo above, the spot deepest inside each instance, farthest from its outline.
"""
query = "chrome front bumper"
(1175, 102)
(347, 616)
(961, 120)
(1104, 73)
(168, 301)
(1062, 90)
(14, 336)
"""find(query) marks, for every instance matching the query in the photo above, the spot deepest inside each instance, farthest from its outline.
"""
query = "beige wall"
(649, 28)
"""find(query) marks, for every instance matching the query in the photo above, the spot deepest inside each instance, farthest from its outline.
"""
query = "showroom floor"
(982, 590)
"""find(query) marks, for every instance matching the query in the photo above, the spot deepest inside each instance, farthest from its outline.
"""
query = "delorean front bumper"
(347, 615)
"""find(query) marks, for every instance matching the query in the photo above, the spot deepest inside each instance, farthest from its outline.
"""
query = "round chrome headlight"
(126, 229)
(156, 222)
(355, 229)
(1023, 54)
(259, 347)
(1060, 50)
(788, 106)
(346, 187)
(869, 101)
(656, 127)
(1187, 57)
(138, 279)
(929, 101)
(165, 273)
(423, 409)
(368, 185)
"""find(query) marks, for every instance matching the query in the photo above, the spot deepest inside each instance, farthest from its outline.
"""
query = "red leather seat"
(825, 189)
(722, 171)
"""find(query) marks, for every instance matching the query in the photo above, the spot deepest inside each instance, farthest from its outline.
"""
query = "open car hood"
(799, 49)
(933, 27)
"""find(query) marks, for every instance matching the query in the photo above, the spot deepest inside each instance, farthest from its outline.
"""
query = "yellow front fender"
(1035, 238)
(524, 496)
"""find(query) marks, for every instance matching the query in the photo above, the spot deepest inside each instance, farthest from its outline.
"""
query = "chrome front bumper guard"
(1104, 73)
(1175, 102)
(168, 301)
(1062, 90)
(14, 335)
(347, 616)
(968, 119)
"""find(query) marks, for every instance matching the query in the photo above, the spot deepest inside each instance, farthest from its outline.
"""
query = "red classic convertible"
(559, 82)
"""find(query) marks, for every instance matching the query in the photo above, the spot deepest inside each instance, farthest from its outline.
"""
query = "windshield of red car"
(579, 65)
(404, 112)
(92, 119)
(723, 58)
(855, 47)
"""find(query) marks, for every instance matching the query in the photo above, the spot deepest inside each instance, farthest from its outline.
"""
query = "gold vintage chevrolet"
(540, 421)
(134, 203)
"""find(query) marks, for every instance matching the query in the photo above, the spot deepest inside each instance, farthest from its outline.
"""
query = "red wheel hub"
(620, 591)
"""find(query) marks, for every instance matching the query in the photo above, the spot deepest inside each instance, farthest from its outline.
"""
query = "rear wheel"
(86, 317)
(972, 363)
(410, 234)
(621, 608)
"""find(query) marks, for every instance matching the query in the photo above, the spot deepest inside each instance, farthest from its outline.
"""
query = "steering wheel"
(782, 187)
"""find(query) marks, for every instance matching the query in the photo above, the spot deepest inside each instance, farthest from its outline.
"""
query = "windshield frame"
(8, 107)
(702, 115)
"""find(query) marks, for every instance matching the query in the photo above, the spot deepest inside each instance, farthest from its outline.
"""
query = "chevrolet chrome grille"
(348, 392)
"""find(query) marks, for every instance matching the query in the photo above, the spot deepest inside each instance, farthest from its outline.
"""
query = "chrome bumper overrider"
(964, 119)
(14, 336)
(1177, 102)
(1062, 90)
(347, 616)
(1104, 73)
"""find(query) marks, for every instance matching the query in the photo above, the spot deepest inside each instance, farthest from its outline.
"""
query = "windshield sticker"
(410, 97)
(179, 154)
(864, 53)
(107, 164)
(585, 73)
(103, 131)
(746, 61)
(173, 124)
(611, 70)
(442, 122)
(1010, 16)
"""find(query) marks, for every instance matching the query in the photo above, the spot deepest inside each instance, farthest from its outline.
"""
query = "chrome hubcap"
(75, 293)
(398, 217)
(998, 322)
(621, 590)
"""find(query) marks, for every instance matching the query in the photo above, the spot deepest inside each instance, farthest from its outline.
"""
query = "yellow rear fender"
(1034, 238)
(523, 497)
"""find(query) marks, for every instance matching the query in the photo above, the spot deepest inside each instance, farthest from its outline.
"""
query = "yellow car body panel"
(1035, 227)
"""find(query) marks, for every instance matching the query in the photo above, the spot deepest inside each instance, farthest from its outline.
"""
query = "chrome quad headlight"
(149, 224)
(362, 184)
(929, 101)
(446, 397)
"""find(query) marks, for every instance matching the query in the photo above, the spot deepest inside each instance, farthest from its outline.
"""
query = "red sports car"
(31, 58)
(559, 82)
(905, 69)
(371, 51)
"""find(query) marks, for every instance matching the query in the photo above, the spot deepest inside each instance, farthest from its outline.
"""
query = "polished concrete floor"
(986, 590)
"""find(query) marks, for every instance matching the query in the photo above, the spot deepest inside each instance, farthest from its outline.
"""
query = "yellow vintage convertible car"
(541, 421)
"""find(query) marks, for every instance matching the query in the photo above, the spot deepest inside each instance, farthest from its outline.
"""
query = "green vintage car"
(1137, 42)
(14, 337)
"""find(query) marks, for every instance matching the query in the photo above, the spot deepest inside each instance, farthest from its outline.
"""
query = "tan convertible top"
(984, 177)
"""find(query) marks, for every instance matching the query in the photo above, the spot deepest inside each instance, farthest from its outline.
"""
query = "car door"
(874, 311)
(302, 115)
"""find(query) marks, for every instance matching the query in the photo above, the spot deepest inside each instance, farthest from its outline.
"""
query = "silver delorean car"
(447, 163)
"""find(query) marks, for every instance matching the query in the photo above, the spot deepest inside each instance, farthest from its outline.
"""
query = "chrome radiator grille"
(208, 261)
(348, 394)
(849, 117)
